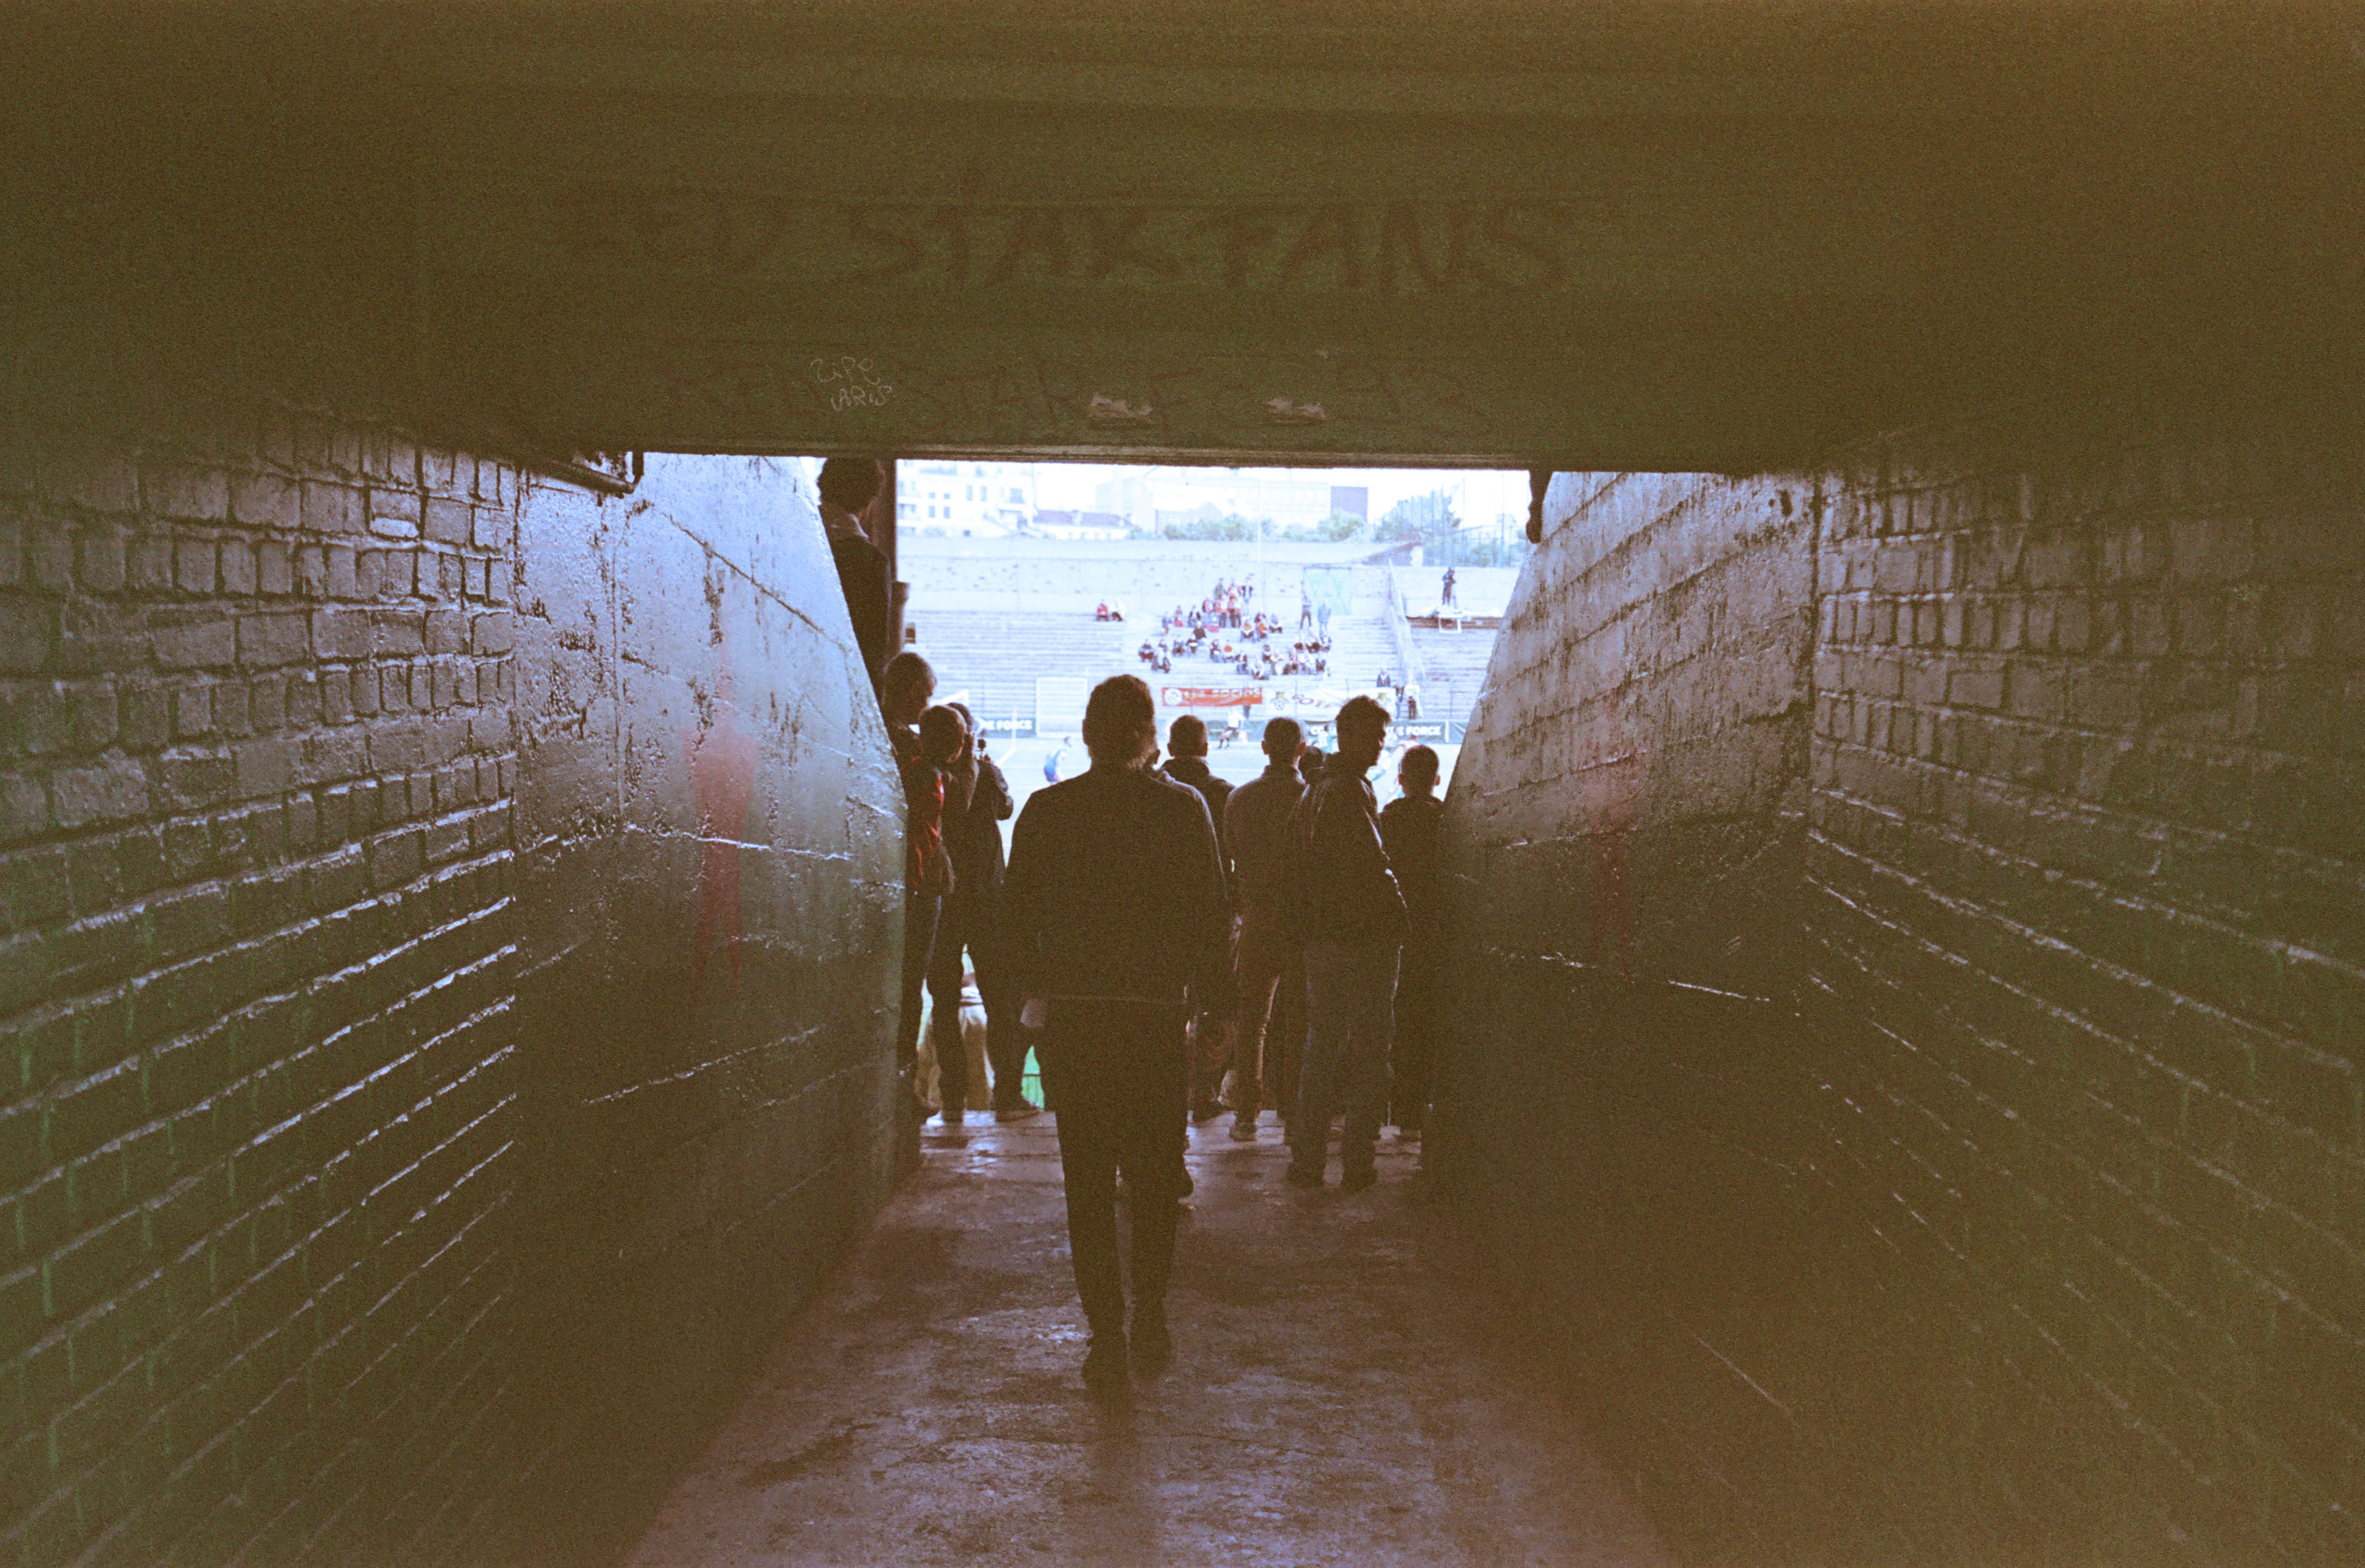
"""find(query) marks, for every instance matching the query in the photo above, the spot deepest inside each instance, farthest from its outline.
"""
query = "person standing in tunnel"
(1409, 833)
(1351, 917)
(1114, 910)
(929, 792)
(969, 923)
(1254, 820)
(847, 486)
(1186, 739)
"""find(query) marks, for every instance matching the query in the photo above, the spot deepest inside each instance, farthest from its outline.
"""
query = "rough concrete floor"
(1341, 1393)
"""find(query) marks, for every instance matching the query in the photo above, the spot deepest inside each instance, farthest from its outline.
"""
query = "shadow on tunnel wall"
(709, 913)
(448, 917)
(1908, 1037)
(448, 909)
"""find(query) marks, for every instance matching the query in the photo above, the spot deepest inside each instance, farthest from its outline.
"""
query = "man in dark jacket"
(1409, 833)
(1352, 919)
(1186, 738)
(1256, 819)
(847, 486)
(1114, 907)
(1186, 741)
(970, 922)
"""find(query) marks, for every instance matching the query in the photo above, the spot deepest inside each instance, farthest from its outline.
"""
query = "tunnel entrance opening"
(1907, 863)
(1237, 594)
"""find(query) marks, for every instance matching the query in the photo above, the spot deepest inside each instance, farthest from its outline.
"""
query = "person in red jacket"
(930, 790)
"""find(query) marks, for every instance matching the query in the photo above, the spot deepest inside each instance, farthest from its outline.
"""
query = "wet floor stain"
(1341, 1392)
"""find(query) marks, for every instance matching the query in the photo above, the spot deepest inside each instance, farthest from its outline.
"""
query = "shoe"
(1299, 1175)
(1356, 1181)
(1018, 1112)
(1153, 1347)
(1244, 1126)
(1204, 1111)
(952, 1116)
(1105, 1361)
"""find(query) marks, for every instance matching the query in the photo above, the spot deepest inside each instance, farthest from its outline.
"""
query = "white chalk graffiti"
(851, 382)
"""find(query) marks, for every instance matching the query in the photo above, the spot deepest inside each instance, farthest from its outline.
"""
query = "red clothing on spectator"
(929, 867)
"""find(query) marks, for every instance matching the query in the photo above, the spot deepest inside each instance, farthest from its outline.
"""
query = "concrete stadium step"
(1453, 669)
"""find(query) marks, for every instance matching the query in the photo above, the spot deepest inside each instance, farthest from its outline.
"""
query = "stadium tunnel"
(1906, 866)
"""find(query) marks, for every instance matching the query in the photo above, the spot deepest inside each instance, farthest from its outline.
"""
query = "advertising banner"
(1211, 696)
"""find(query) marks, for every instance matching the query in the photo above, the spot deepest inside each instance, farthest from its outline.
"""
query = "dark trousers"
(1351, 1006)
(968, 926)
(1413, 1057)
(1118, 1077)
(921, 913)
(1268, 968)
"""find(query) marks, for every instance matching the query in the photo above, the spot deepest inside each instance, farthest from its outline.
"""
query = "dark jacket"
(973, 839)
(1114, 890)
(1193, 770)
(1256, 824)
(1409, 833)
(862, 577)
(1339, 885)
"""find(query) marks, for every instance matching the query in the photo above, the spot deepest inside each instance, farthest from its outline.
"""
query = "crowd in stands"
(1108, 609)
(1222, 628)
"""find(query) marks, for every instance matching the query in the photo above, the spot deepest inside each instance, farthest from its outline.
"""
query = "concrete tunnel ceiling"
(1646, 235)
(1622, 236)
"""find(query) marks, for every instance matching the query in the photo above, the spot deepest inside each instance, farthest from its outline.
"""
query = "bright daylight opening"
(1240, 595)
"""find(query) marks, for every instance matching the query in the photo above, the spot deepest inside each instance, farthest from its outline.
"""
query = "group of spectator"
(1151, 946)
(1143, 929)
(956, 801)
(1222, 628)
(1108, 609)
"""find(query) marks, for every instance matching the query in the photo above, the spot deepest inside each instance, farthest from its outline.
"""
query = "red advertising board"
(1212, 696)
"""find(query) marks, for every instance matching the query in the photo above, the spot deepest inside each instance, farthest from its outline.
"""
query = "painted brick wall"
(301, 1147)
(259, 970)
(2087, 914)
(2010, 1210)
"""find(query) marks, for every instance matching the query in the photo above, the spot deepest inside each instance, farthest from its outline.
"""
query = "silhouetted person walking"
(1352, 919)
(847, 486)
(1409, 833)
(1115, 909)
(1186, 738)
(1256, 819)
